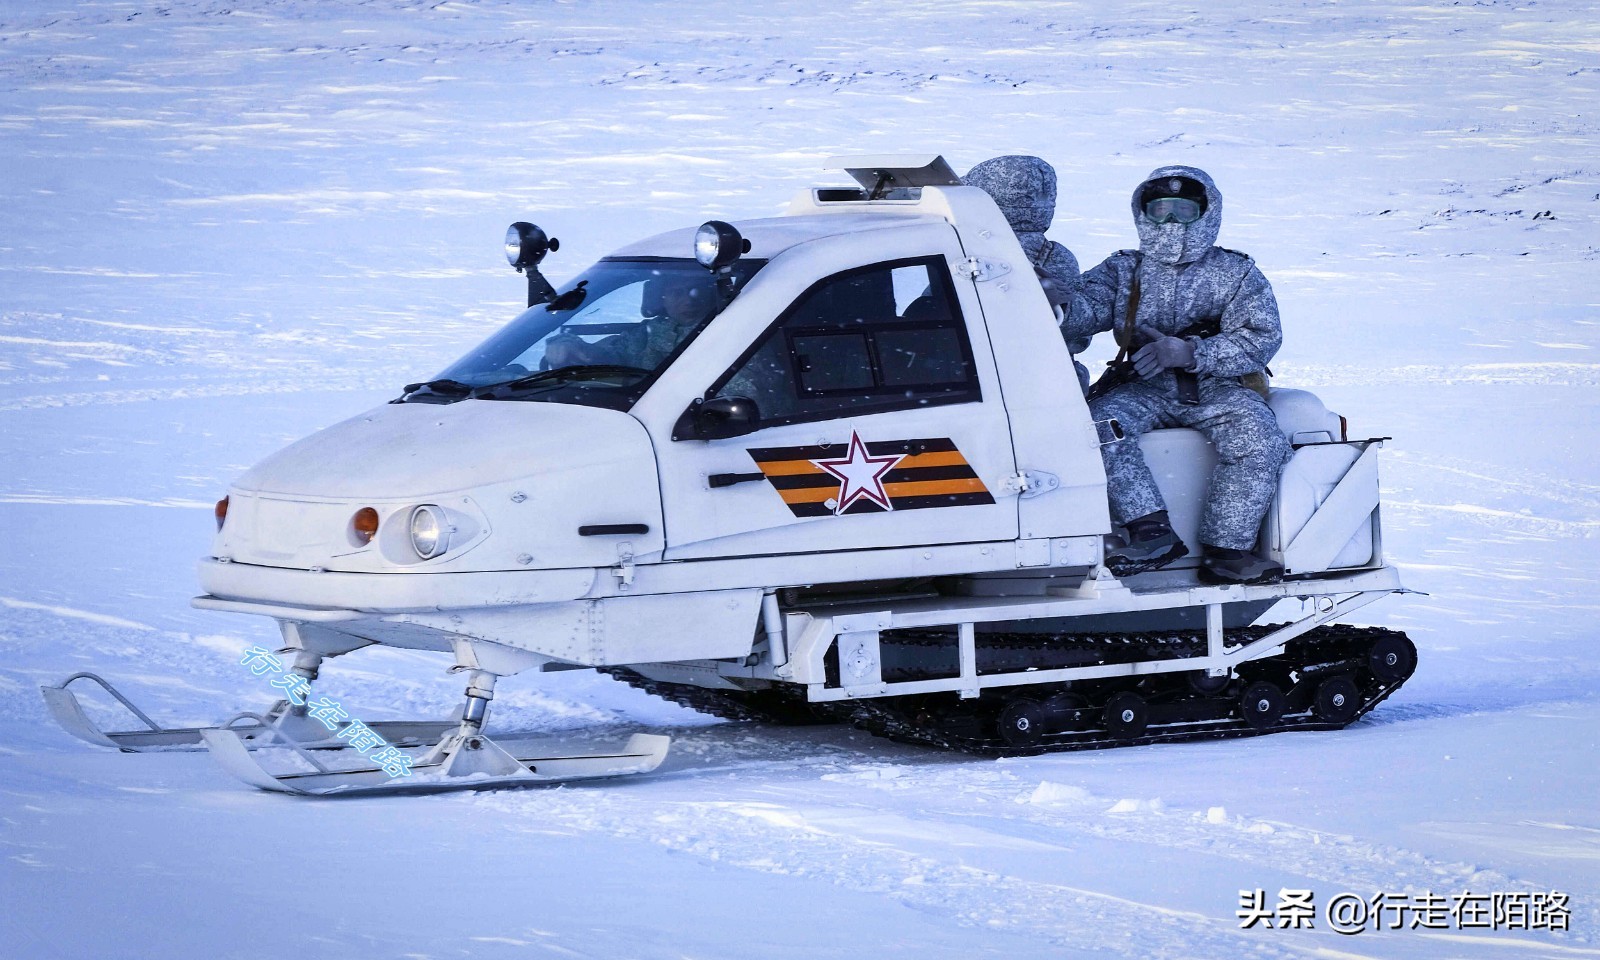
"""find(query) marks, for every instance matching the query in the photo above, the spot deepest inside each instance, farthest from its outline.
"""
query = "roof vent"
(882, 174)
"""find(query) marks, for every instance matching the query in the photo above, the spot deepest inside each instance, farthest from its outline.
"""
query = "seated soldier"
(1024, 188)
(1200, 322)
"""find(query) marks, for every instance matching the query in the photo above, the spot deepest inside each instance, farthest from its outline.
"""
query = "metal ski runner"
(466, 759)
(251, 729)
(470, 763)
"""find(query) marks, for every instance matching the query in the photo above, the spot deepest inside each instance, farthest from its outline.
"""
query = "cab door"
(880, 418)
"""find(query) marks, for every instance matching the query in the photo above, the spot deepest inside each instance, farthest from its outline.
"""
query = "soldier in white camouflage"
(1024, 188)
(1197, 325)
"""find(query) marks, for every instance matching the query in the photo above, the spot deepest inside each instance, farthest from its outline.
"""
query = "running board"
(460, 763)
(252, 729)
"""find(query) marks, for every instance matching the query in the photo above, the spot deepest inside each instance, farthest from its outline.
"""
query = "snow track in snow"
(982, 845)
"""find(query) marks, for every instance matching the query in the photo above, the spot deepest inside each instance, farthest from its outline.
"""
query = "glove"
(1161, 353)
(566, 350)
(1052, 291)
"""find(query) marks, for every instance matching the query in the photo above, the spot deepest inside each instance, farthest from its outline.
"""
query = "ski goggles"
(1174, 210)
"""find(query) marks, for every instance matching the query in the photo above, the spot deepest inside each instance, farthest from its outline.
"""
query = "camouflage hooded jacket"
(1185, 278)
(1024, 188)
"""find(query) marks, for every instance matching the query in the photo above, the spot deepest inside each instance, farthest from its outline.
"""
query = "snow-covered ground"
(224, 225)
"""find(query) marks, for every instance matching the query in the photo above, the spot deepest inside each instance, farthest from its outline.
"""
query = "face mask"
(1166, 245)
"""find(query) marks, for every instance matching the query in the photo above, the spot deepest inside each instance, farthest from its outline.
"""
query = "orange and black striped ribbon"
(933, 474)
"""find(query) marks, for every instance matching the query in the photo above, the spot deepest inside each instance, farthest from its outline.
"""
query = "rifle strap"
(1130, 319)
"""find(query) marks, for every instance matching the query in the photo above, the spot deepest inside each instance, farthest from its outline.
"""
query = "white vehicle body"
(519, 479)
(785, 557)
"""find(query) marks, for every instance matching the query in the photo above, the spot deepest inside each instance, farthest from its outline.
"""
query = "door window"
(885, 337)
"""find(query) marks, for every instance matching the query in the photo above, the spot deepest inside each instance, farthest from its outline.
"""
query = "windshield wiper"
(445, 385)
(560, 375)
(444, 388)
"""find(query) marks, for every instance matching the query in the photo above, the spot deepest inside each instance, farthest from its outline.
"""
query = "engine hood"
(410, 450)
(521, 486)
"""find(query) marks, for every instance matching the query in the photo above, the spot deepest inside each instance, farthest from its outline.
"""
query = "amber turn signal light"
(222, 513)
(365, 524)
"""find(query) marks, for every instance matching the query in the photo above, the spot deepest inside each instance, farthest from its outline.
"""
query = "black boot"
(1226, 565)
(1152, 546)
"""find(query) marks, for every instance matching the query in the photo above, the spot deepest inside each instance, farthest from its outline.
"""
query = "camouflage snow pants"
(1251, 451)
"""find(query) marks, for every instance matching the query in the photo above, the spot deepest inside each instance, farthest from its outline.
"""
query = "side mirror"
(717, 419)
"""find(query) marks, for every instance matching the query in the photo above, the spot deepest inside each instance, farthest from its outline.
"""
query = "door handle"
(729, 479)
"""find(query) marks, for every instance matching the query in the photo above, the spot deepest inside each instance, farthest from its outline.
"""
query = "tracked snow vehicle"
(829, 466)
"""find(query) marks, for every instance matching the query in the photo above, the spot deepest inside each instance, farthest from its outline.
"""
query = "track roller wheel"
(1337, 700)
(1061, 709)
(1061, 712)
(1127, 715)
(1021, 722)
(1393, 658)
(1261, 704)
(1208, 686)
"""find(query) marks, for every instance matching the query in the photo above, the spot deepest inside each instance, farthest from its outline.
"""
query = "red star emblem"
(860, 475)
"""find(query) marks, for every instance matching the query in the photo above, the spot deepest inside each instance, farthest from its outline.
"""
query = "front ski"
(252, 729)
(458, 763)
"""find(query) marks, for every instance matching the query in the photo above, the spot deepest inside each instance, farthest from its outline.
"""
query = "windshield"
(600, 342)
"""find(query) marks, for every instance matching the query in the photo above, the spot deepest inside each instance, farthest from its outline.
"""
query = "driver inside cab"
(672, 307)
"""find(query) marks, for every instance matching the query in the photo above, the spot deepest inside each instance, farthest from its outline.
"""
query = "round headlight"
(430, 535)
(514, 243)
(717, 244)
(526, 245)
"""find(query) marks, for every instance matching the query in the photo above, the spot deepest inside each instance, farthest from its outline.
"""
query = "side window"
(885, 337)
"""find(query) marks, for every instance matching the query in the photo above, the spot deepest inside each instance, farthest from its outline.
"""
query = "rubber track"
(881, 716)
(764, 707)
